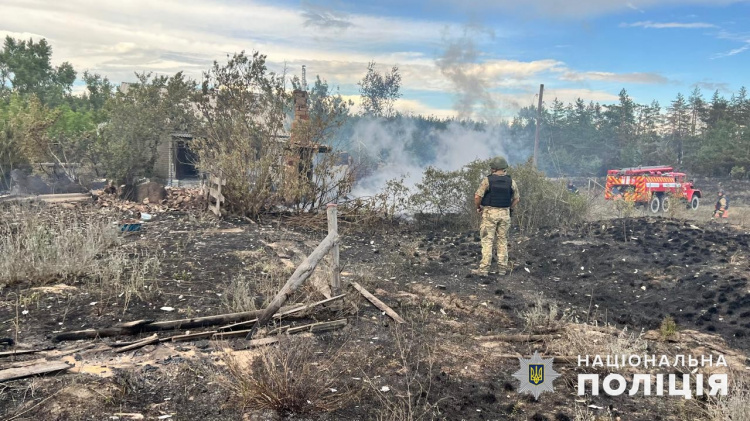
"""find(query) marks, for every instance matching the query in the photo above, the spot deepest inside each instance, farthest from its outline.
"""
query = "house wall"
(164, 164)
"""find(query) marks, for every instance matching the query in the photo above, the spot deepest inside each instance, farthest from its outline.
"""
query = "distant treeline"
(41, 120)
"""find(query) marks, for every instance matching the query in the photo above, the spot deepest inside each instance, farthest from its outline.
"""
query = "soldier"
(722, 206)
(494, 199)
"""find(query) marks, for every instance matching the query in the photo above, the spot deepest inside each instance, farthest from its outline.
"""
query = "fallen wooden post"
(191, 336)
(140, 344)
(304, 270)
(22, 352)
(517, 338)
(19, 373)
(132, 328)
(377, 303)
(318, 327)
(284, 313)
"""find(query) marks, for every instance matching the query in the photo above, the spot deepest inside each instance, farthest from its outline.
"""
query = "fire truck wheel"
(654, 204)
(694, 203)
(665, 203)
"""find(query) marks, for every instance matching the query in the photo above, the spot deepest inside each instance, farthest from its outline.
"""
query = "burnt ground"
(621, 273)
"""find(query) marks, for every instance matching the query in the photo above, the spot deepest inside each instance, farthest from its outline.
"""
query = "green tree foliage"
(379, 92)
(243, 109)
(25, 67)
(140, 118)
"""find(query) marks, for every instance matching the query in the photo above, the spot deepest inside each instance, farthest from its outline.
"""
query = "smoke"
(460, 64)
(398, 147)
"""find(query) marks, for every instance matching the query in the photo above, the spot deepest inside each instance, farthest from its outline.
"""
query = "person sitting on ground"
(572, 188)
(722, 206)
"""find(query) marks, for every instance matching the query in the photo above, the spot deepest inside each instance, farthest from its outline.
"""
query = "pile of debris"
(150, 198)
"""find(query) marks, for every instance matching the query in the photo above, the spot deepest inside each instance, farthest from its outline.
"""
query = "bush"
(544, 203)
(738, 173)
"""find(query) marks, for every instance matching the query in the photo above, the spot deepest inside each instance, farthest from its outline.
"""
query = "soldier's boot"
(480, 272)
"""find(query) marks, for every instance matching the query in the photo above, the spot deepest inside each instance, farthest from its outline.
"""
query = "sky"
(458, 58)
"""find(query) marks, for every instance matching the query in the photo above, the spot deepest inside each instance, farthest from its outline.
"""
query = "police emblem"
(536, 375)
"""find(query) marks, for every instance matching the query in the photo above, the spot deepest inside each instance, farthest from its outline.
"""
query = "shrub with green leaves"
(544, 203)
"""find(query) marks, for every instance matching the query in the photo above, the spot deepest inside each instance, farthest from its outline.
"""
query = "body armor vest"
(500, 192)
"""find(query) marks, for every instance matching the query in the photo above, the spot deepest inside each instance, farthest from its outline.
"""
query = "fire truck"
(652, 187)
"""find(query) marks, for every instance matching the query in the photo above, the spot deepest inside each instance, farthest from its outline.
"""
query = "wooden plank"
(193, 323)
(19, 373)
(304, 270)
(377, 303)
(21, 352)
(191, 336)
(516, 338)
(148, 341)
(134, 323)
(318, 327)
(236, 325)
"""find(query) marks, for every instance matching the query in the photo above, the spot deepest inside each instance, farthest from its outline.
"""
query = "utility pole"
(538, 123)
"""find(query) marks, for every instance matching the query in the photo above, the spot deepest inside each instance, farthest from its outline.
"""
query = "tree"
(140, 118)
(243, 109)
(26, 66)
(679, 123)
(379, 92)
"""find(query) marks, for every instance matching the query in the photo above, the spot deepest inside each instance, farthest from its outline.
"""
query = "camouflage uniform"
(721, 207)
(494, 229)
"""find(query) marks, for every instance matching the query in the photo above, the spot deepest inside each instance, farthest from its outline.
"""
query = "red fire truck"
(651, 186)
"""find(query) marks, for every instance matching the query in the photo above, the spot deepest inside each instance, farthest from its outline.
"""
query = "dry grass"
(582, 339)
(41, 246)
(543, 316)
(736, 405)
(239, 296)
(290, 378)
(414, 399)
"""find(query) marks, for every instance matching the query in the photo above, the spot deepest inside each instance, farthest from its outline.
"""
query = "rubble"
(176, 199)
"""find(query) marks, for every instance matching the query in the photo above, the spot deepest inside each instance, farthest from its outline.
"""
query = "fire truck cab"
(651, 186)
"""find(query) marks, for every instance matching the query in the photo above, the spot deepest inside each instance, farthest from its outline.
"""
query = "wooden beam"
(140, 344)
(191, 336)
(516, 338)
(318, 327)
(132, 328)
(377, 303)
(22, 352)
(304, 270)
(19, 373)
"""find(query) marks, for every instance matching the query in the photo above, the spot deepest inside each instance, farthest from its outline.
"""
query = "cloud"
(668, 25)
(714, 86)
(571, 10)
(743, 38)
(734, 51)
(323, 18)
(645, 78)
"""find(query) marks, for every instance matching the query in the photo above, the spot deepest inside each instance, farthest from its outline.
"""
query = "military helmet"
(498, 163)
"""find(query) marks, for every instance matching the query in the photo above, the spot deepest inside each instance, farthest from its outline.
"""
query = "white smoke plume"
(460, 64)
(388, 143)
